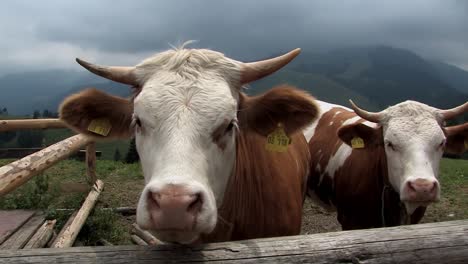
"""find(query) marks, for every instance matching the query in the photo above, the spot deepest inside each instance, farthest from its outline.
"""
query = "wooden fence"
(19, 172)
(444, 242)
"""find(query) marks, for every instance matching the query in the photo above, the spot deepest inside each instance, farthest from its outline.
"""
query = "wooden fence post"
(70, 232)
(91, 163)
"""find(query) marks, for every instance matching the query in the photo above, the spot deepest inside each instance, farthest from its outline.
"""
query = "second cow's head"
(413, 137)
(185, 115)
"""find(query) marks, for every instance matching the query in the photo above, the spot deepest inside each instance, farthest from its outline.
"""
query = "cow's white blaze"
(183, 101)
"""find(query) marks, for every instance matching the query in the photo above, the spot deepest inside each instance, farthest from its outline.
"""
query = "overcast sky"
(51, 33)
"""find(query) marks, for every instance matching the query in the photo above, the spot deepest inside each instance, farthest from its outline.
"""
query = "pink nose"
(422, 190)
(174, 208)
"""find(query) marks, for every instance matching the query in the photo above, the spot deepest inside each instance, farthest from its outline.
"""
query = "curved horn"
(457, 129)
(115, 73)
(454, 112)
(252, 71)
(370, 116)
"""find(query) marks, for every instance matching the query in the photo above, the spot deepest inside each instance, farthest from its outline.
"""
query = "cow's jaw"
(413, 152)
(186, 156)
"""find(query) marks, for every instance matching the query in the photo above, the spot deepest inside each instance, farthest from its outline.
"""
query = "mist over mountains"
(374, 77)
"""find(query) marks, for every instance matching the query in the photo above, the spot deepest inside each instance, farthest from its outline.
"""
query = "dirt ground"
(317, 220)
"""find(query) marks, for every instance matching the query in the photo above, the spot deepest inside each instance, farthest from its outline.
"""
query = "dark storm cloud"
(126, 31)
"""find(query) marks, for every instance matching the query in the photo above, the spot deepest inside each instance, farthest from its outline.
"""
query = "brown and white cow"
(201, 140)
(393, 178)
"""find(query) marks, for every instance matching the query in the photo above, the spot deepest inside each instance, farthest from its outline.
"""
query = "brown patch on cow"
(284, 104)
(264, 196)
(78, 110)
(219, 133)
(323, 146)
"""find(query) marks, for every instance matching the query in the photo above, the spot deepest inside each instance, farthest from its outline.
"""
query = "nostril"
(154, 199)
(411, 187)
(196, 204)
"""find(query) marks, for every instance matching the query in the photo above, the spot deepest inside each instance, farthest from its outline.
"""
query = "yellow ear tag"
(100, 126)
(277, 140)
(466, 143)
(357, 143)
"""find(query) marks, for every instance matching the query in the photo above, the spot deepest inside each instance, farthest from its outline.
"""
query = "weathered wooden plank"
(70, 232)
(22, 235)
(445, 242)
(11, 220)
(42, 235)
(18, 153)
(9, 125)
(91, 163)
(19, 172)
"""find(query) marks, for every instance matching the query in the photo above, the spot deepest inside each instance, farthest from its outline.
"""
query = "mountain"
(384, 75)
(23, 93)
(453, 75)
(374, 77)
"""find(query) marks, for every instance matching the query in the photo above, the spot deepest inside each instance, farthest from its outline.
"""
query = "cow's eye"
(138, 122)
(230, 127)
(390, 145)
(442, 144)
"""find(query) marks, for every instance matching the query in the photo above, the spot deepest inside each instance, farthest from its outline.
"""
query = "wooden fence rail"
(19, 172)
(443, 242)
(9, 125)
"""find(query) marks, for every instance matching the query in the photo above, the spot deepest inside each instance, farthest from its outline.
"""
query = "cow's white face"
(414, 143)
(185, 124)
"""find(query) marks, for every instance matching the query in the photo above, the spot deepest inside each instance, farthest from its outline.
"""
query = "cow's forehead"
(409, 120)
(191, 83)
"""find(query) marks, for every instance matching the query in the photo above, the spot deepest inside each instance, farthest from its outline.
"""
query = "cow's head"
(414, 140)
(185, 119)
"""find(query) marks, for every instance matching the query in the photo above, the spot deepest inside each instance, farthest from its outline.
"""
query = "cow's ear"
(351, 135)
(293, 108)
(98, 114)
(457, 139)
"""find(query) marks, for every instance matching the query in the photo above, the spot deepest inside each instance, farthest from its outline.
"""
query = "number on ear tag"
(100, 126)
(278, 141)
(357, 143)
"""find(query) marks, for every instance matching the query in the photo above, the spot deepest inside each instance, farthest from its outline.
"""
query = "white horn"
(454, 112)
(369, 116)
(252, 71)
(119, 74)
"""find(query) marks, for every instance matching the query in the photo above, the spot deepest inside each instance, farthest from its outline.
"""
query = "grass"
(124, 182)
(454, 200)
(122, 186)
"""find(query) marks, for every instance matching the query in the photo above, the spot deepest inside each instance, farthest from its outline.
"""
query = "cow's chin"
(411, 206)
(179, 237)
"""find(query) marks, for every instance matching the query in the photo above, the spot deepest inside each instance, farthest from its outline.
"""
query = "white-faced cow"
(391, 174)
(201, 140)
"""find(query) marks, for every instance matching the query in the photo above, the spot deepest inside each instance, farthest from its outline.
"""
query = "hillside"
(22, 93)
(320, 86)
(385, 75)
(453, 75)
(374, 76)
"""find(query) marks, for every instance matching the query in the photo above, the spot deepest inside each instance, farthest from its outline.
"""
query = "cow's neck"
(255, 190)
